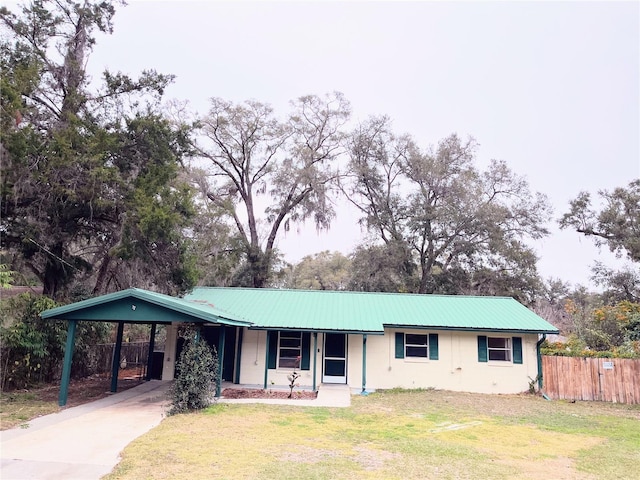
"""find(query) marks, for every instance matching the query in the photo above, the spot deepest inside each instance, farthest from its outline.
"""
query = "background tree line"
(102, 189)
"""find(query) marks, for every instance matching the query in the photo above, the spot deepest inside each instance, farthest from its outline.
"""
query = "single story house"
(364, 340)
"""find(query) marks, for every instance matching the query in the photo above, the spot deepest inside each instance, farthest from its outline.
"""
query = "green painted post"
(364, 362)
(236, 376)
(66, 365)
(116, 359)
(266, 360)
(152, 346)
(315, 358)
(220, 360)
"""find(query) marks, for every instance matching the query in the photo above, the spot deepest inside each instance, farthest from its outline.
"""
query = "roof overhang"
(471, 329)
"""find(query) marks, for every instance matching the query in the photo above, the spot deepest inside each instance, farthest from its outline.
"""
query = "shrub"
(33, 348)
(196, 374)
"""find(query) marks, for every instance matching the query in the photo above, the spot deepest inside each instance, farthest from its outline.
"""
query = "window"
(416, 345)
(499, 349)
(289, 349)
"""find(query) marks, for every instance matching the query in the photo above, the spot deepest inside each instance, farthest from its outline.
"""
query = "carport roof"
(141, 306)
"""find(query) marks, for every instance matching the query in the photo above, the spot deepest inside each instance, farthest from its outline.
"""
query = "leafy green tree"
(284, 168)
(196, 374)
(320, 271)
(449, 217)
(32, 348)
(89, 189)
(616, 225)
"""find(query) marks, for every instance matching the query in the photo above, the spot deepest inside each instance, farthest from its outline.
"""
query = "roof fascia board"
(314, 330)
(470, 329)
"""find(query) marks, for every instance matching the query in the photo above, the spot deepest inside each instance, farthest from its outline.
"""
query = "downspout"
(540, 383)
(364, 363)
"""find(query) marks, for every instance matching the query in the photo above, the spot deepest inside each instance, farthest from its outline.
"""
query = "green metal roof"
(136, 305)
(363, 312)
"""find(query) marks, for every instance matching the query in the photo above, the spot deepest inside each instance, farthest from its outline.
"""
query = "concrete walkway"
(84, 442)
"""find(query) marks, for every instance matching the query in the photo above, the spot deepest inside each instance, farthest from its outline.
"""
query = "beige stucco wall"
(169, 361)
(456, 369)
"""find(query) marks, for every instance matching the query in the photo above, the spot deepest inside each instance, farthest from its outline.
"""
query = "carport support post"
(220, 359)
(364, 362)
(116, 359)
(66, 365)
(152, 346)
(315, 358)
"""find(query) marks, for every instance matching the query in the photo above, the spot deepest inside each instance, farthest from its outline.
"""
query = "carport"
(139, 307)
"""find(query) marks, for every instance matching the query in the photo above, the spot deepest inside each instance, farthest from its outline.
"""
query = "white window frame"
(414, 345)
(507, 348)
(291, 362)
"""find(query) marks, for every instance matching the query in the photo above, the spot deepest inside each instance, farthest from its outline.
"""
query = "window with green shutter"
(499, 349)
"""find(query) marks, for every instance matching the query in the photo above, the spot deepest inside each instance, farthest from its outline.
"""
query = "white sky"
(552, 88)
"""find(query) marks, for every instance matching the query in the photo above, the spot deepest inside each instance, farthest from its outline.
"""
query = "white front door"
(334, 365)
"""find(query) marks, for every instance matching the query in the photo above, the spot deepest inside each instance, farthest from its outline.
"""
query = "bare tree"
(286, 167)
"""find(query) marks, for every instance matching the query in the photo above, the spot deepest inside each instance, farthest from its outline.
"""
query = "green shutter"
(399, 345)
(272, 345)
(517, 349)
(306, 346)
(482, 348)
(433, 346)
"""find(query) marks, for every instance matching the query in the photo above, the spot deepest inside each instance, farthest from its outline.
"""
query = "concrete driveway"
(83, 442)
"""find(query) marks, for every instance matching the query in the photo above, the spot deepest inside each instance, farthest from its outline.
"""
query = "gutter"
(539, 355)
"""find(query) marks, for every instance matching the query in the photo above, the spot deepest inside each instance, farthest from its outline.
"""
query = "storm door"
(335, 358)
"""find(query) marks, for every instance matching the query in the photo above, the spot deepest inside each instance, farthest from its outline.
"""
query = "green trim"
(517, 350)
(272, 348)
(306, 346)
(399, 345)
(152, 346)
(236, 373)
(66, 364)
(483, 355)
(315, 358)
(465, 329)
(149, 307)
(433, 346)
(115, 366)
(221, 340)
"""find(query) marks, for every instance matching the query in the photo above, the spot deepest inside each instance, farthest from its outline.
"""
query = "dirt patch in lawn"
(260, 393)
(20, 406)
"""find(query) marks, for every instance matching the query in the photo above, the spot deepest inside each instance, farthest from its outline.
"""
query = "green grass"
(394, 435)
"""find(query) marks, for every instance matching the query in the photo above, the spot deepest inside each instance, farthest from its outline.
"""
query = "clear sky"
(552, 88)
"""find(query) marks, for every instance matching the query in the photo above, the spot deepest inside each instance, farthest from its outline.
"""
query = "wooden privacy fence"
(604, 379)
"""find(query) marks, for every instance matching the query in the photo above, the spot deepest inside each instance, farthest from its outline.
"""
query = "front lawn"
(394, 435)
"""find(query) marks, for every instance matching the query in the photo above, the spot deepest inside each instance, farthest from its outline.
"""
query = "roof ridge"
(300, 290)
